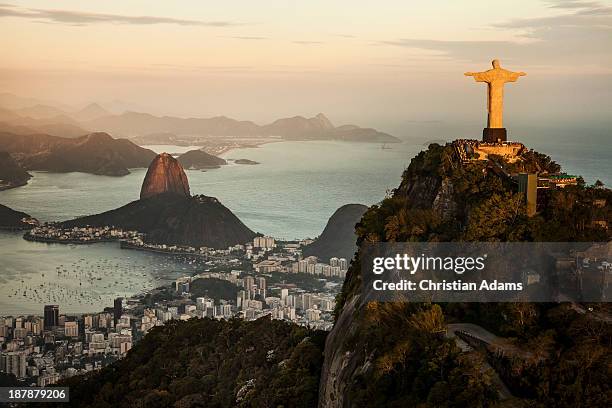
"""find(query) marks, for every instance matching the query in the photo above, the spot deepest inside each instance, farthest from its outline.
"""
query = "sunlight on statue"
(495, 79)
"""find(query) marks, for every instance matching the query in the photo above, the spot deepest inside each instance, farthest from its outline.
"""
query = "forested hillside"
(392, 354)
(210, 363)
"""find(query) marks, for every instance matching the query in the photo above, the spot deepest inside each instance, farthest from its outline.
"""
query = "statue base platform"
(494, 135)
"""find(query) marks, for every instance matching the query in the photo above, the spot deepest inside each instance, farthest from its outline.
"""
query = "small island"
(200, 160)
(245, 161)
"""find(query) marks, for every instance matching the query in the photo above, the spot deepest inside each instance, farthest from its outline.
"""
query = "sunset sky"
(357, 61)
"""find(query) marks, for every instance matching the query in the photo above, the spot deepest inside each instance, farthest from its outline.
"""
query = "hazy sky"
(368, 62)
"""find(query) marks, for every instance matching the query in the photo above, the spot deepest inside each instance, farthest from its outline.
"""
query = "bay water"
(291, 194)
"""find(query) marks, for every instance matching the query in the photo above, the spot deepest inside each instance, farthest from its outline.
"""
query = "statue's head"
(495, 63)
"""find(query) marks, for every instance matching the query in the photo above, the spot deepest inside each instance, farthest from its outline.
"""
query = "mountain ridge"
(90, 112)
(50, 117)
(138, 124)
(95, 153)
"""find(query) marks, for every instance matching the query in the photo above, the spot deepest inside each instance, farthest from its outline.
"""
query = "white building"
(313, 315)
(13, 362)
(71, 329)
(264, 242)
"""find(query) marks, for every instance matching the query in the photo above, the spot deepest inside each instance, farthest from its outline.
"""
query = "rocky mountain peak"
(165, 175)
(324, 121)
(97, 137)
(91, 111)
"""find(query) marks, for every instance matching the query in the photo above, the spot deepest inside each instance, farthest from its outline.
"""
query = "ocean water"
(291, 194)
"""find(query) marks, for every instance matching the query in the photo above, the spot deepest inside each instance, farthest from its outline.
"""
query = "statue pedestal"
(494, 135)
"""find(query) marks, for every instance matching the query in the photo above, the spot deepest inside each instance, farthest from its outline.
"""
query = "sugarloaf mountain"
(168, 214)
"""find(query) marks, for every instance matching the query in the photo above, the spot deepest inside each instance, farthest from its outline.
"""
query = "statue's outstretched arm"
(514, 76)
(478, 76)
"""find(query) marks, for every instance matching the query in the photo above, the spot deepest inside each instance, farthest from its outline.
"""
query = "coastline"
(255, 144)
(126, 245)
(219, 147)
(14, 228)
(123, 244)
(4, 187)
(33, 238)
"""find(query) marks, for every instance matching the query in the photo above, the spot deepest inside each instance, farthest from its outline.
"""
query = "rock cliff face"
(165, 175)
(425, 196)
(11, 174)
(347, 359)
(338, 238)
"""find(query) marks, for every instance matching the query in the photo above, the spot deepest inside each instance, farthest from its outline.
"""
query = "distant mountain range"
(11, 101)
(146, 128)
(40, 119)
(26, 116)
(45, 135)
(95, 153)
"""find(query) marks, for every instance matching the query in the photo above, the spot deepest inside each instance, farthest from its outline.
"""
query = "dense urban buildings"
(268, 277)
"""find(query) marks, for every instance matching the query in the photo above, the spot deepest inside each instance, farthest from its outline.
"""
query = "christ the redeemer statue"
(495, 79)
